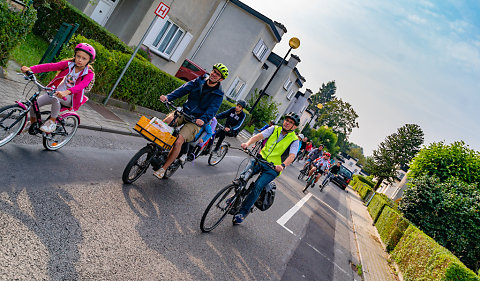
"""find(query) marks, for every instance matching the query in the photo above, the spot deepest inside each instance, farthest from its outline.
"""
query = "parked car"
(343, 177)
(189, 71)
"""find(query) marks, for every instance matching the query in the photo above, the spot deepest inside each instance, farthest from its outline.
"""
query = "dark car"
(189, 71)
(343, 177)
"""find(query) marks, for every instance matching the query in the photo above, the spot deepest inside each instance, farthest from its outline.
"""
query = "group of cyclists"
(204, 94)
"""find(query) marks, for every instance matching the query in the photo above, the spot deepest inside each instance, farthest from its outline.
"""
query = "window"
(288, 83)
(290, 94)
(260, 51)
(167, 39)
(303, 109)
(236, 88)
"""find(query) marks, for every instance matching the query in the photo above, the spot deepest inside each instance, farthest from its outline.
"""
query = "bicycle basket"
(154, 133)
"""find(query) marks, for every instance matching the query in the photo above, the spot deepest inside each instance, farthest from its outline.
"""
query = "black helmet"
(292, 115)
(242, 103)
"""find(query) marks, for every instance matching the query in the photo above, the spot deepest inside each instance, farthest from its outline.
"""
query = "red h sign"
(162, 10)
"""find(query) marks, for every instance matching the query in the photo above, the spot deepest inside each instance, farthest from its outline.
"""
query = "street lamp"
(294, 43)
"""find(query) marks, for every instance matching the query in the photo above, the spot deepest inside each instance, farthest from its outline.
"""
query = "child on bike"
(320, 166)
(73, 77)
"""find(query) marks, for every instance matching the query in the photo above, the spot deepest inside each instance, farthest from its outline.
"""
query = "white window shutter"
(257, 47)
(157, 26)
(181, 47)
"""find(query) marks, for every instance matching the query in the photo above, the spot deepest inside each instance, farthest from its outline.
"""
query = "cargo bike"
(161, 139)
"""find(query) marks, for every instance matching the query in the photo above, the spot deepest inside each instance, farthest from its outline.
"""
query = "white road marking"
(340, 215)
(327, 258)
(289, 214)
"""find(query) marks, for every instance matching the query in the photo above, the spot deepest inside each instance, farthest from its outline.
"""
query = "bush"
(265, 111)
(379, 201)
(445, 161)
(366, 180)
(363, 190)
(419, 257)
(449, 212)
(53, 13)
(391, 226)
(14, 27)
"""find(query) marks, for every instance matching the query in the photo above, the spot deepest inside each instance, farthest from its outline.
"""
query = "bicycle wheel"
(66, 129)
(302, 174)
(172, 169)
(310, 181)
(218, 208)
(216, 157)
(12, 120)
(138, 165)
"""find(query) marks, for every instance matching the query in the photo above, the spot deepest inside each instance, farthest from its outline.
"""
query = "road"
(67, 215)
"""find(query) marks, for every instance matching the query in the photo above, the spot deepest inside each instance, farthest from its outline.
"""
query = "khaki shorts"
(189, 130)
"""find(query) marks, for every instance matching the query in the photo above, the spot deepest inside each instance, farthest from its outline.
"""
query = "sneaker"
(183, 158)
(159, 173)
(48, 126)
(238, 219)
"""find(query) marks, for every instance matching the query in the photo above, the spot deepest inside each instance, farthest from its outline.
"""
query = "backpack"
(267, 196)
(90, 85)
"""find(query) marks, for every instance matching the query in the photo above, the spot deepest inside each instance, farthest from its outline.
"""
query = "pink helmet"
(87, 48)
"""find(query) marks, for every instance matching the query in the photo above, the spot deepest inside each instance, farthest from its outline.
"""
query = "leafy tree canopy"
(338, 115)
(324, 136)
(396, 150)
(445, 161)
(325, 94)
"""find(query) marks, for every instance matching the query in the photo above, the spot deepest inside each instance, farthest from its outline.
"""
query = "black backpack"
(265, 200)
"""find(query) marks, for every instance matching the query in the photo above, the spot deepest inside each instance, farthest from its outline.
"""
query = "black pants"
(221, 136)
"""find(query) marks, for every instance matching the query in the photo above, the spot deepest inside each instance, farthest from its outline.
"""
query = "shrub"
(265, 111)
(419, 257)
(445, 161)
(379, 201)
(449, 212)
(53, 13)
(391, 225)
(366, 180)
(14, 26)
(363, 190)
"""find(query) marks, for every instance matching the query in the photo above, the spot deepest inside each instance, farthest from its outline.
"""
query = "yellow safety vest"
(273, 150)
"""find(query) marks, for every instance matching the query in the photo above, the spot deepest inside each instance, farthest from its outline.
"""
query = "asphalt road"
(66, 215)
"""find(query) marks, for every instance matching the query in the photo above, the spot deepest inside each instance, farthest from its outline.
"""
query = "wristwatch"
(283, 165)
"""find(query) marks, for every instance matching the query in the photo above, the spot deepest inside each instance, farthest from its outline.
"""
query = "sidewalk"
(96, 116)
(373, 258)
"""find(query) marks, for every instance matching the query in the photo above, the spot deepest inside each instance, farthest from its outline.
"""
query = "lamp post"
(294, 43)
(319, 106)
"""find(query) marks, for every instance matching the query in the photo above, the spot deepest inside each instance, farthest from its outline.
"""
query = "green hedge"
(14, 27)
(419, 257)
(363, 189)
(379, 201)
(365, 180)
(51, 15)
(391, 226)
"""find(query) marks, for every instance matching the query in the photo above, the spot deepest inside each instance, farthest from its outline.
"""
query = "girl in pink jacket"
(74, 76)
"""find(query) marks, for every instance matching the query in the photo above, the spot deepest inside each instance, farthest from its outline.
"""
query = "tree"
(338, 115)
(325, 94)
(265, 111)
(396, 150)
(445, 161)
(356, 152)
(324, 136)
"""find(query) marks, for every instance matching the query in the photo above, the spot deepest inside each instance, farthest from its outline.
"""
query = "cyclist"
(235, 117)
(320, 166)
(314, 154)
(280, 149)
(333, 171)
(301, 149)
(205, 95)
(74, 77)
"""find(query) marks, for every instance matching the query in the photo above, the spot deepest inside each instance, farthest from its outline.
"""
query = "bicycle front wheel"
(216, 157)
(218, 208)
(66, 129)
(138, 165)
(12, 120)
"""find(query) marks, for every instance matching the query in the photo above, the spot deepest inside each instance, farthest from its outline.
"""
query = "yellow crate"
(152, 133)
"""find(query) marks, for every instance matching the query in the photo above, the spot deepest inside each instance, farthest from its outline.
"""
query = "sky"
(395, 62)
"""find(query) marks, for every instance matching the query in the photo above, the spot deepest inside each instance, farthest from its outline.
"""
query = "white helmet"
(301, 136)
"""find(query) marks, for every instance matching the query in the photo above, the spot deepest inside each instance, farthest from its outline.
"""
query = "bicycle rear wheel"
(216, 157)
(302, 174)
(12, 120)
(218, 208)
(138, 165)
(64, 132)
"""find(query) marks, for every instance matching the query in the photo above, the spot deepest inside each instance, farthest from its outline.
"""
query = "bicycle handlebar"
(29, 75)
(188, 117)
(254, 156)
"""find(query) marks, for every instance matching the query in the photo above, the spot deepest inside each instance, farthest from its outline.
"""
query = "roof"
(260, 16)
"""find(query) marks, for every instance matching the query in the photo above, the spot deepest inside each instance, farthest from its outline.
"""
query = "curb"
(113, 131)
